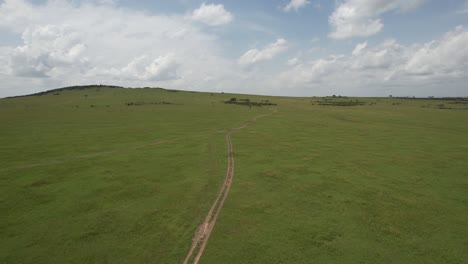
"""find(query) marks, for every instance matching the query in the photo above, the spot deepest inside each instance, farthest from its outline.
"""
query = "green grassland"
(113, 175)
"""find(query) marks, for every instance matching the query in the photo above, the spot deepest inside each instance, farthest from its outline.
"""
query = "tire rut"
(202, 235)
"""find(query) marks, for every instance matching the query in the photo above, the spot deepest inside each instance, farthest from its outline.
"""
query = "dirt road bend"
(202, 235)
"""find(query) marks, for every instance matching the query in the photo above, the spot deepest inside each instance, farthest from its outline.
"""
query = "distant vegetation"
(433, 98)
(247, 102)
(327, 101)
(456, 103)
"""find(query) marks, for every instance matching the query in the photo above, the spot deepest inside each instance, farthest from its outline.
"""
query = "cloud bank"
(120, 46)
(112, 45)
(389, 64)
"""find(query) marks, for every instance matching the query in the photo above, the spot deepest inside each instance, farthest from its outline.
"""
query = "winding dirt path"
(202, 235)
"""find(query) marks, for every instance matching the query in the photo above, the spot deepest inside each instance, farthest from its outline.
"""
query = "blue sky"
(280, 47)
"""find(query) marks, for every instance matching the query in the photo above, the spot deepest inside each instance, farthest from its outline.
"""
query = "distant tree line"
(464, 99)
(341, 103)
(249, 103)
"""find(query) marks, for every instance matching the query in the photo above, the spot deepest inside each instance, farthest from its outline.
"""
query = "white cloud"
(162, 68)
(384, 55)
(295, 5)
(112, 45)
(292, 61)
(212, 14)
(359, 47)
(388, 64)
(125, 47)
(360, 18)
(47, 50)
(17, 15)
(254, 56)
(448, 56)
(311, 72)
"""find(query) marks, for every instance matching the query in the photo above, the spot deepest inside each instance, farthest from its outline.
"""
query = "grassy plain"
(111, 175)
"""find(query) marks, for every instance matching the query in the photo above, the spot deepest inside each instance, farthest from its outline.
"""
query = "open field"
(112, 175)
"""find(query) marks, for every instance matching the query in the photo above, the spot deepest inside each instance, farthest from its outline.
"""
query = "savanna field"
(111, 175)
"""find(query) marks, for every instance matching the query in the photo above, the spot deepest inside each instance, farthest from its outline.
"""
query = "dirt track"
(203, 232)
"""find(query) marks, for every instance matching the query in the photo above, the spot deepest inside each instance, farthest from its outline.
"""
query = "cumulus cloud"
(311, 72)
(360, 18)
(384, 55)
(295, 5)
(46, 51)
(388, 64)
(447, 56)
(212, 14)
(131, 48)
(162, 68)
(254, 56)
(112, 45)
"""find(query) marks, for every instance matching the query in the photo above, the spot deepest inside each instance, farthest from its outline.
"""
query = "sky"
(272, 47)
